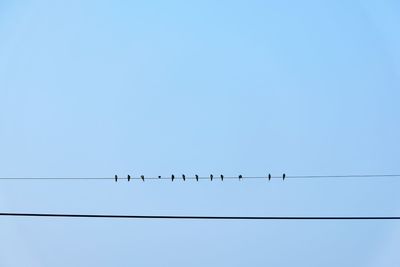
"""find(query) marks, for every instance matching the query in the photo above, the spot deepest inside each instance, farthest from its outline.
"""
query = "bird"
(159, 177)
(129, 177)
(142, 176)
(183, 177)
(197, 177)
(211, 176)
(222, 177)
(240, 177)
(172, 177)
(269, 177)
(283, 176)
(116, 178)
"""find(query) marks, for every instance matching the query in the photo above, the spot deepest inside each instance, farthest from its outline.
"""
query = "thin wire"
(170, 217)
(347, 176)
(208, 178)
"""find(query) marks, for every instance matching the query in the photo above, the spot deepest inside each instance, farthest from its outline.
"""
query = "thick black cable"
(169, 217)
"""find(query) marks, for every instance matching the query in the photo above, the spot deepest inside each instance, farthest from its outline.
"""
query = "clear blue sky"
(95, 88)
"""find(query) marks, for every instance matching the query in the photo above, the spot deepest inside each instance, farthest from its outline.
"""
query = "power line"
(170, 217)
(211, 177)
(347, 176)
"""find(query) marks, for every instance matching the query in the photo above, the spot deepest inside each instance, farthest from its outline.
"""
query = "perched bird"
(197, 177)
(129, 177)
(211, 176)
(240, 177)
(172, 177)
(222, 177)
(116, 178)
(159, 177)
(142, 176)
(283, 176)
(269, 177)
(183, 177)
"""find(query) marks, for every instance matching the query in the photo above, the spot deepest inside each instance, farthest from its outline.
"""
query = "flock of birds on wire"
(184, 177)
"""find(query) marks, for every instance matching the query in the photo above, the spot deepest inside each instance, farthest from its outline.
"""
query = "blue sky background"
(94, 88)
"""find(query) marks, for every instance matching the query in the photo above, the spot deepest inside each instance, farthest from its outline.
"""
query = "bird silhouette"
(159, 177)
(129, 177)
(269, 177)
(283, 176)
(172, 177)
(197, 177)
(240, 177)
(183, 177)
(222, 177)
(142, 176)
(116, 178)
(211, 176)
